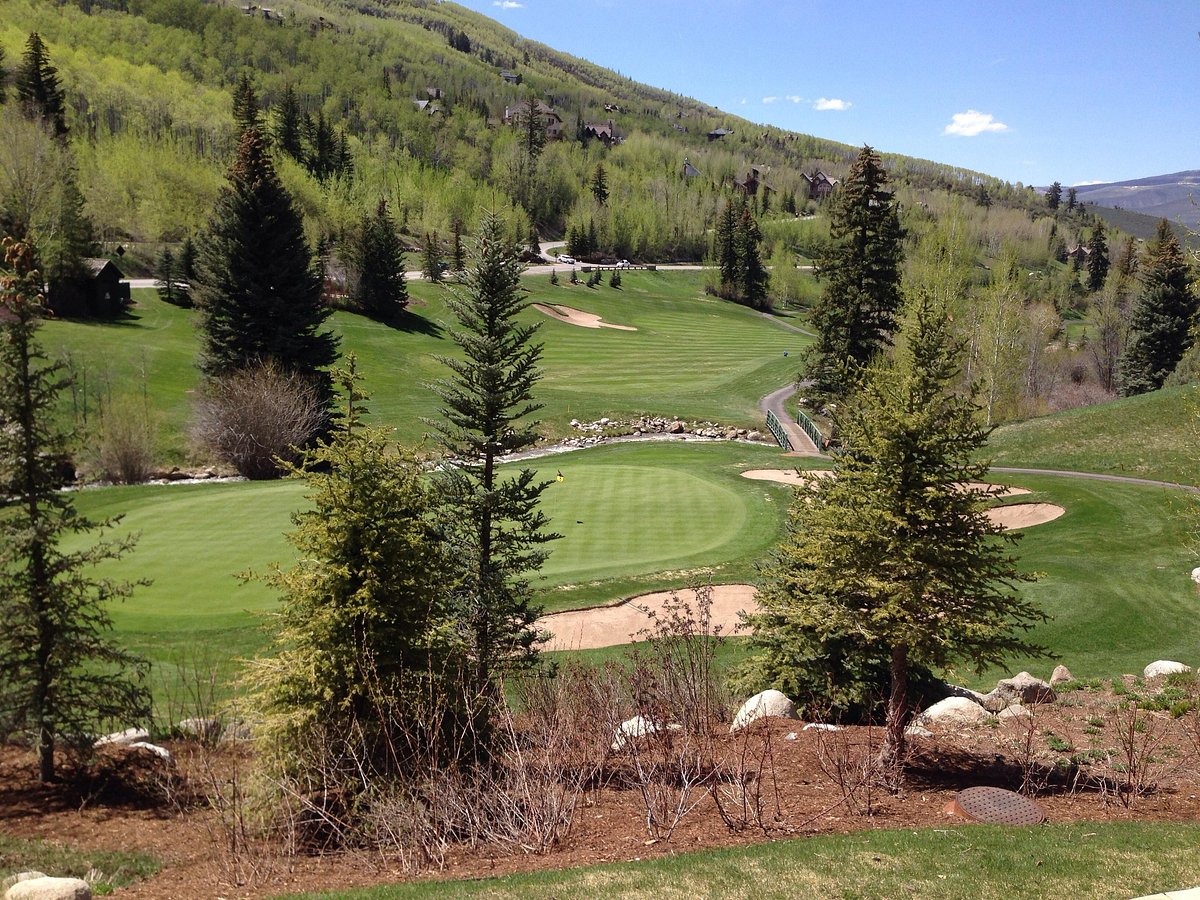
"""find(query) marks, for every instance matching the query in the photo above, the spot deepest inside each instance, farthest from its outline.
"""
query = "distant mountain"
(1173, 197)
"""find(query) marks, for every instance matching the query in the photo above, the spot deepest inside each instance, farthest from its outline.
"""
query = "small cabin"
(99, 293)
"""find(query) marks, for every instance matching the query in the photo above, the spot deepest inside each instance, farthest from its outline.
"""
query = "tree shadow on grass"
(411, 322)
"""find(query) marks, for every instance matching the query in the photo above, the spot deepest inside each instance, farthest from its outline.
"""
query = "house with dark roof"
(689, 171)
(717, 133)
(604, 132)
(550, 119)
(753, 181)
(820, 185)
(100, 292)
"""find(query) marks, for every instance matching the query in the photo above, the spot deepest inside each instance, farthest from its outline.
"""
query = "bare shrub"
(258, 415)
(849, 759)
(677, 703)
(1138, 762)
(745, 789)
(123, 448)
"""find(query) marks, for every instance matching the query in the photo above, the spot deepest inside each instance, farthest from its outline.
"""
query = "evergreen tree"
(431, 258)
(1054, 196)
(752, 276)
(726, 248)
(1160, 327)
(166, 276)
(856, 312)
(61, 677)
(363, 623)
(187, 261)
(494, 529)
(258, 292)
(1072, 197)
(599, 185)
(1097, 261)
(69, 242)
(459, 255)
(891, 565)
(289, 125)
(38, 89)
(245, 105)
(382, 291)
(532, 126)
(3, 78)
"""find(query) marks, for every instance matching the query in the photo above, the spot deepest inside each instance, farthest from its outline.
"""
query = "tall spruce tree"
(891, 565)
(1164, 315)
(38, 89)
(752, 275)
(494, 529)
(1097, 261)
(856, 313)
(258, 292)
(246, 113)
(599, 184)
(1054, 196)
(61, 676)
(289, 125)
(382, 290)
(725, 248)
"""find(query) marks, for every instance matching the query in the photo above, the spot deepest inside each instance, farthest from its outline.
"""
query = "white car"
(623, 264)
(567, 260)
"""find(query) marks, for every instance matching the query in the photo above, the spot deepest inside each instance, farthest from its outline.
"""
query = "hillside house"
(429, 107)
(820, 185)
(511, 77)
(753, 181)
(717, 133)
(550, 119)
(689, 171)
(604, 132)
(1079, 252)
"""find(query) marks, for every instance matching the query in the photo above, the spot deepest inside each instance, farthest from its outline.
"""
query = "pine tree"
(1072, 198)
(599, 184)
(256, 287)
(459, 259)
(166, 275)
(856, 313)
(60, 674)
(246, 114)
(69, 242)
(891, 565)
(289, 125)
(3, 78)
(752, 276)
(1160, 327)
(1097, 261)
(38, 89)
(726, 249)
(1054, 196)
(494, 529)
(382, 290)
(363, 640)
(431, 258)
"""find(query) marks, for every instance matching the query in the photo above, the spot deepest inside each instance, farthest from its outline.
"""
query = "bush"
(256, 417)
(553, 276)
(123, 450)
(615, 279)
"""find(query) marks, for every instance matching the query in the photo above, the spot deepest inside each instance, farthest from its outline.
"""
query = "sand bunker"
(606, 626)
(791, 476)
(1024, 515)
(578, 317)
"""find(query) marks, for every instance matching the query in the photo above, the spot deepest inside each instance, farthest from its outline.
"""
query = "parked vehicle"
(567, 260)
(623, 264)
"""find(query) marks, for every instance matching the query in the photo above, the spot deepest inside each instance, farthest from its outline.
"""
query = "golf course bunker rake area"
(795, 477)
(620, 623)
(578, 317)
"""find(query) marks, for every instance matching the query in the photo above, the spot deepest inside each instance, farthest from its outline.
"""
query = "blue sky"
(1034, 92)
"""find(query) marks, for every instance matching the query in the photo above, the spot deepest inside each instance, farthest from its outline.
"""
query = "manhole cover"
(996, 806)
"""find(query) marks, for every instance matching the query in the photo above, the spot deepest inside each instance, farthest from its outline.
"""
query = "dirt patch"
(795, 477)
(578, 317)
(607, 626)
(1024, 515)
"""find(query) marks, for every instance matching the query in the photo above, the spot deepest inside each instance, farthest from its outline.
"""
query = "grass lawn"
(693, 356)
(1088, 861)
(635, 517)
(1150, 436)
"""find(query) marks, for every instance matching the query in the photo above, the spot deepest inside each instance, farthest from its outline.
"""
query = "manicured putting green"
(633, 516)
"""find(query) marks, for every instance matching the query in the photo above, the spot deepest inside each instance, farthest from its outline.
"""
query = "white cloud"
(795, 98)
(831, 103)
(1086, 183)
(508, 4)
(972, 123)
(769, 99)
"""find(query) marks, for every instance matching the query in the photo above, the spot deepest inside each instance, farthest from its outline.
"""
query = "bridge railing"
(810, 428)
(777, 429)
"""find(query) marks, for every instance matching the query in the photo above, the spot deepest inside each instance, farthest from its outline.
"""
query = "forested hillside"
(444, 114)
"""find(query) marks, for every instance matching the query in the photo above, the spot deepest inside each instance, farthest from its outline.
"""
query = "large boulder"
(954, 690)
(1061, 675)
(1022, 688)
(761, 705)
(46, 888)
(633, 730)
(952, 711)
(161, 752)
(128, 736)
(1164, 667)
(203, 729)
